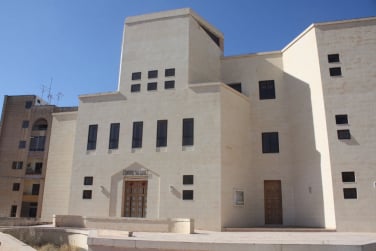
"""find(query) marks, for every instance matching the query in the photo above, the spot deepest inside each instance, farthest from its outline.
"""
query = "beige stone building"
(24, 139)
(283, 138)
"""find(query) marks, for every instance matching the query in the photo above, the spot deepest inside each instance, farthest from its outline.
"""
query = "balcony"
(33, 171)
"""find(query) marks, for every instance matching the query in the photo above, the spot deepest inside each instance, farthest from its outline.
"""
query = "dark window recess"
(152, 86)
(161, 133)
(28, 104)
(211, 35)
(86, 194)
(236, 86)
(114, 136)
(22, 144)
(25, 124)
(137, 134)
(88, 180)
(37, 143)
(348, 177)
(343, 134)
(335, 71)
(153, 74)
(270, 142)
(38, 168)
(187, 194)
(35, 189)
(17, 165)
(350, 193)
(40, 125)
(333, 58)
(135, 88)
(187, 179)
(170, 72)
(341, 119)
(267, 89)
(16, 187)
(92, 137)
(169, 84)
(136, 75)
(13, 211)
(188, 132)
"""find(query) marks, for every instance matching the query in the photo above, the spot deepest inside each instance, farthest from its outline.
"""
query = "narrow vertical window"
(114, 136)
(92, 137)
(137, 134)
(35, 189)
(13, 211)
(188, 132)
(161, 133)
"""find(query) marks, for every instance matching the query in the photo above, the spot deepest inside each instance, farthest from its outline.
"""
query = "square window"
(16, 187)
(187, 179)
(152, 86)
(350, 193)
(86, 194)
(170, 72)
(236, 86)
(153, 74)
(28, 104)
(348, 177)
(135, 88)
(17, 165)
(22, 144)
(169, 84)
(88, 180)
(239, 198)
(266, 89)
(187, 194)
(25, 124)
(333, 58)
(343, 134)
(136, 75)
(270, 142)
(341, 119)
(335, 71)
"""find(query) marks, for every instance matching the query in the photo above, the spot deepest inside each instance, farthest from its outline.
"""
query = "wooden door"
(135, 193)
(273, 201)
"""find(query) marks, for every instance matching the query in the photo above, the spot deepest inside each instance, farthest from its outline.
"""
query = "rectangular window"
(161, 133)
(343, 134)
(236, 86)
(35, 189)
(350, 193)
(152, 86)
(137, 134)
(153, 74)
(270, 142)
(28, 104)
(188, 132)
(266, 89)
(22, 144)
(169, 84)
(86, 194)
(348, 177)
(88, 180)
(135, 88)
(13, 211)
(37, 143)
(136, 75)
(239, 198)
(335, 71)
(333, 58)
(187, 179)
(17, 165)
(16, 187)
(114, 136)
(25, 124)
(170, 72)
(38, 167)
(341, 119)
(92, 137)
(187, 194)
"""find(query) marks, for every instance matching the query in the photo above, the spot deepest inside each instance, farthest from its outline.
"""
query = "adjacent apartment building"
(282, 138)
(24, 139)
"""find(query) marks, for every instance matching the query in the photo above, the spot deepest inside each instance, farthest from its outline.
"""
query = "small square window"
(333, 58)
(170, 72)
(152, 86)
(86, 194)
(341, 119)
(16, 186)
(25, 124)
(239, 198)
(153, 74)
(169, 84)
(348, 177)
(266, 89)
(350, 193)
(187, 194)
(135, 88)
(236, 86)
(22, 144)
(88, 180)
(343, 134)
(136, 75)
(28, 104)
(187, 179)
(335, 71)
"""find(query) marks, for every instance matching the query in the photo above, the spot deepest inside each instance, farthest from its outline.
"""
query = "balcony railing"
(32, 171)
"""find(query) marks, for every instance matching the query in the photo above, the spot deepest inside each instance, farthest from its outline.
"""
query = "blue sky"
(77, 43)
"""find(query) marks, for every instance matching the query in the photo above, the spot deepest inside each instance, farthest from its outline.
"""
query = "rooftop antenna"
(50, 96)
(59, 96)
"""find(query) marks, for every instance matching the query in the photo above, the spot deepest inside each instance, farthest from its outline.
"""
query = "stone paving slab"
(9, 243)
